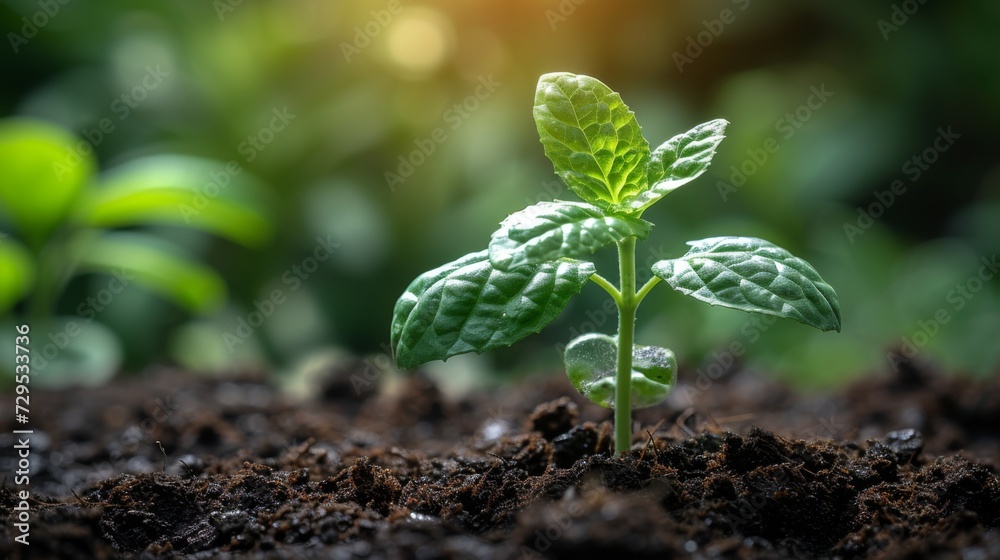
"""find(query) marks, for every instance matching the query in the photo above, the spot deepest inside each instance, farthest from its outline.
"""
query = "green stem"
(646, 288)
(51, 274)
(626, 335)
(608, 287)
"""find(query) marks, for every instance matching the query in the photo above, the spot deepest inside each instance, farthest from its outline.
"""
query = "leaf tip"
(549, 80)
(554, 76)
(717, 126)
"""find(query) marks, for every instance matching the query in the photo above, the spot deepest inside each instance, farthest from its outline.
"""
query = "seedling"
(537, 260)
(61, 219)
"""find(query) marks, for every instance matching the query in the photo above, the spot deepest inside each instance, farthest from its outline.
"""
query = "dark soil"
(899, 466)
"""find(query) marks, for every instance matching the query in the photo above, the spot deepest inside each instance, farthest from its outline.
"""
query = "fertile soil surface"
(897, 466)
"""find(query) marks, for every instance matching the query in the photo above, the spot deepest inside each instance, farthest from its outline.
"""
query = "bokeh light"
(419, 41)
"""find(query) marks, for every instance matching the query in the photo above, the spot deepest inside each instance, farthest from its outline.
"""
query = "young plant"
(60, 219)
(537, 260)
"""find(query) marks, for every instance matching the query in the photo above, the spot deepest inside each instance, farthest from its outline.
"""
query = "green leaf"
(179, 190)
(469, 306)
(677, 162)
(153, 263)
(551, 230)
(753, 275)
(591, 137)
(17, 272)
(592, 362)
(43, 169)
(89, 355)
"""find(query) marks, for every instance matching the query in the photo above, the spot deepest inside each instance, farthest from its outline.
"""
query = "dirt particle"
(151, 509)
(368, 485)
(731, 491)
(554, 418)
(575, 444)
(905, 444)
(757, 449)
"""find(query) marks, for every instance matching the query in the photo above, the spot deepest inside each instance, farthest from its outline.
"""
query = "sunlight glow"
(418, 42)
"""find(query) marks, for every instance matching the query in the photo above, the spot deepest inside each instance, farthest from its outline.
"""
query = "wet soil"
(901, 465)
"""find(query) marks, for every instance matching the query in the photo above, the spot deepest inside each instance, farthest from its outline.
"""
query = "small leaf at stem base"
(591, 364)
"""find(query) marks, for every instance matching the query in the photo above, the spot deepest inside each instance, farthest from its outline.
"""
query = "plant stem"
(608, 287)
(626, 334)
(52, 273)
(646, 289)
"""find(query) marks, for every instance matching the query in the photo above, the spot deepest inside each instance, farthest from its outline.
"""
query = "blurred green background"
(232, 157)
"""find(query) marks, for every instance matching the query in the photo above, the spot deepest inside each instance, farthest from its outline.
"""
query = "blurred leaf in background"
(71, 224)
